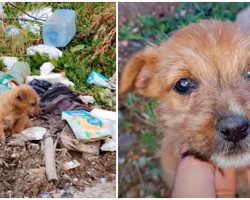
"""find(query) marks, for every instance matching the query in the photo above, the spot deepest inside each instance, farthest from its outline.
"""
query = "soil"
(22, 168)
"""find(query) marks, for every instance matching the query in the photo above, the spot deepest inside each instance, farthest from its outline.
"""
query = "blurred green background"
(140, 174)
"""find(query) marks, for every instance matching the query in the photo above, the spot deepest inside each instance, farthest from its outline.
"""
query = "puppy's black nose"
(233, 128)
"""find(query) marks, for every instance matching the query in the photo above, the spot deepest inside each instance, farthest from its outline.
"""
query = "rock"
(37, 172)
(75, 179)
(17, 140)
(106, 190)
(33, 148)
(15, 155)
(34, 133)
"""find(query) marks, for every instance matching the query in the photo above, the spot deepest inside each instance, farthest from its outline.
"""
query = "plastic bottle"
(59, 28)
(20, 71)
(14, 77)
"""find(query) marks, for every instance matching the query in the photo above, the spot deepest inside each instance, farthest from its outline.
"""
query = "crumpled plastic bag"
(34, 27)
(9, 61)
(52, 52)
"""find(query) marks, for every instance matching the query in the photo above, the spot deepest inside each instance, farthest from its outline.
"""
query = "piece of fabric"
(60, 98)
(40, 86)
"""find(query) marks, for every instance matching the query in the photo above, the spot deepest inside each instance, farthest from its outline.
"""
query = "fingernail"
(184, 148)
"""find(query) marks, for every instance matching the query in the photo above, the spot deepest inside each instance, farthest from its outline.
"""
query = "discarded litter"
(45, 195)
(87, 127)
(7, 82)
(107, 97)
(112, 81)
(98, 79)
(32, 25)
(52, 78)
(20, 71)
(87, 99)
(101, 180)
(59, 28)
(52, 52)
(109, 145)
(59, 98)
(2, 14)
(40, 86)
(8, 61)
(107, 117)
(69, 141)
(34, 133)
(71, 164)
(46, 68)
(12, 30)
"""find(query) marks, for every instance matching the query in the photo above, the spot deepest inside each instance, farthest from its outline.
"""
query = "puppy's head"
(201, 75)
(26, 100)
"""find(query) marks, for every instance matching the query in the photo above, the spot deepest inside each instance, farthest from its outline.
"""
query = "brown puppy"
(201, 76)
(16, 106)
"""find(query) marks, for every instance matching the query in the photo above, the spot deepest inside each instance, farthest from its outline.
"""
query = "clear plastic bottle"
(14, 77)
(59, 28)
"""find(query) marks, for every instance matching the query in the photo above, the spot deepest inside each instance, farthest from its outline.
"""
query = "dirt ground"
(22, 168)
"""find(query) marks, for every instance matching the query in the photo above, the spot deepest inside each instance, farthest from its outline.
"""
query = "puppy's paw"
(2, 135)
(28, 124)
(2, 138)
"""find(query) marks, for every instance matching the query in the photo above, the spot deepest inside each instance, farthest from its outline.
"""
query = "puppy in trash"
(201, 77)
(16, 106)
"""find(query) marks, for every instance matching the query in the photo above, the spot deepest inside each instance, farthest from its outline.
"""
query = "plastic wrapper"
(87, 127)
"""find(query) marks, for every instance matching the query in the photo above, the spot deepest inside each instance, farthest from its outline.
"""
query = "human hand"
(196, 178)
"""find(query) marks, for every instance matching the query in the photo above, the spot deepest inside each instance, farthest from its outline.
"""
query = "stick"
(49, 157)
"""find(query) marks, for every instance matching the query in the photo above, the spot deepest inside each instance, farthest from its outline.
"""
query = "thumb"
(225, 182)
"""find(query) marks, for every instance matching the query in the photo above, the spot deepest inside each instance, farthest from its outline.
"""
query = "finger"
(225, 182)
(248, 175)
(194, 178)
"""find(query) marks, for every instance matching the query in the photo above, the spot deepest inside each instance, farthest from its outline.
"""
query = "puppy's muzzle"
(233, 128)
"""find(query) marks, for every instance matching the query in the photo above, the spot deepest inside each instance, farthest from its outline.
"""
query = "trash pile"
(71, 147)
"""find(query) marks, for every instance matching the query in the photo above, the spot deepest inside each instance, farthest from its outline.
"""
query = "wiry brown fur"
(16, 106)
(217, 55)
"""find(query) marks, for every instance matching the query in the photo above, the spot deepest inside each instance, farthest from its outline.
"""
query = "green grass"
(158, 29)
(86, 51)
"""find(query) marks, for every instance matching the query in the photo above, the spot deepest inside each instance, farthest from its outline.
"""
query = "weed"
(84, 53)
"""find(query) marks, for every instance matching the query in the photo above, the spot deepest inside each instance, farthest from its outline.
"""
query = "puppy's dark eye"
(247, 75)
(185, 86)
(33, 104)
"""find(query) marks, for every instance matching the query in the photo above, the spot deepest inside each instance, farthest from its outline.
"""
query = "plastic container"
(14, 77)
(59, 28)
(20, 71)
(7, 82)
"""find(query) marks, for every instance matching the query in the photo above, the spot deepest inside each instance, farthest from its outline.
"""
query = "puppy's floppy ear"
(21, 95)
(138, 73)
